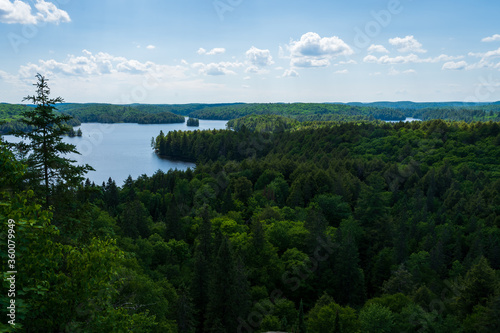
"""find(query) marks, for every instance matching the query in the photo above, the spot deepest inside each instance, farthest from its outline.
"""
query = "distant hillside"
(421, 105)
(299, 111)
(175, 113)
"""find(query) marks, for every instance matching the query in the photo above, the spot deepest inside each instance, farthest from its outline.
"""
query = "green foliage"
(109, 113)
(193, 122)
(376, 318)
(262, 123)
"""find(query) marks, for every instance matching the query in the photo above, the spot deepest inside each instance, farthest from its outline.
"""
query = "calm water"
(120, 150)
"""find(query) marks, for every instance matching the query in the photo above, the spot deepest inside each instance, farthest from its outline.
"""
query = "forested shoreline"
(302, 112)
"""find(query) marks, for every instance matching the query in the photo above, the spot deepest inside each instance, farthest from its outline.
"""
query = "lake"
(120, 150)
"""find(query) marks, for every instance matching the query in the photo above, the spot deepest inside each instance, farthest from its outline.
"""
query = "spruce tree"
(228, 296)
(202, 264)
(45, 149)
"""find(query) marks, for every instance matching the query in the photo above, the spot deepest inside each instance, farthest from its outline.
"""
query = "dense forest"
(109, 113)
(300, 111)
(343, 227)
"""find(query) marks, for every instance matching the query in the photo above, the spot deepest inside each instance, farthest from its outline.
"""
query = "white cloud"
(258, 57)
(451, 65)
(151, 47)
(256, 70)
(310, 62)
(349, 62)
(487, 59)
(343, 71)
(217, 50)
(216, 69)
(48, 12)
(444, 57)
(407, 44)
(394, 71)
(315, 51)
(377, 49)
(214, 51)
(410, 58)
(494, 38)
(21, 13)
(290, 73)
(99, 64)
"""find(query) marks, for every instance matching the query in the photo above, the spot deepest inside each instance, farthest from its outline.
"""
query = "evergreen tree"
(185, 311)
(47, 165)
(227, 300)
(201, 270)
(350, 281)
(302, 324)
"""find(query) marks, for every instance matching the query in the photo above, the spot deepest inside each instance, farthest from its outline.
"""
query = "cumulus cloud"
(216, 69)
(290, 73)
(214, 51)
(377, 49)
(21, 13)
(451, 65)
(407, 44)
(494, 38)
(312, 50)
(258, 57)
(151, 47)
(343, 71)
(89, 64)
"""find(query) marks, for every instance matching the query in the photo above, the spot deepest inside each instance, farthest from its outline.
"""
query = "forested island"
(312, 226)
(193, 122)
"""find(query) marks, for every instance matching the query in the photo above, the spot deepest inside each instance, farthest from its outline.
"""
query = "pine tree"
(47, 165)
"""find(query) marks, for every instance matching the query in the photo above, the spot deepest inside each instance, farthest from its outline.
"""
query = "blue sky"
(209, 51)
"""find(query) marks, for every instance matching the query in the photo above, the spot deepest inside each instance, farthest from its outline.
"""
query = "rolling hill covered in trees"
(175, 113)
